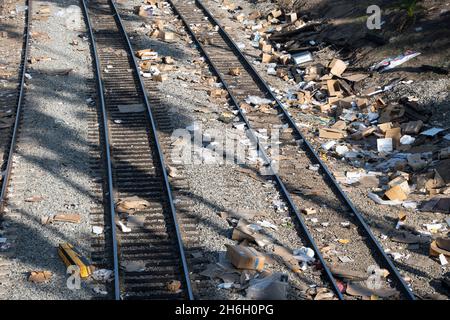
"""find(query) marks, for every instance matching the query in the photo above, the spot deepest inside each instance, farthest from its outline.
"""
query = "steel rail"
(159, 153)
(264, 86)
(100, 90)
(267, 160)
(8, 169)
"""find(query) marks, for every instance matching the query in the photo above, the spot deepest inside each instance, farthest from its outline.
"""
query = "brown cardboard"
(328, 133)
(276, 13)
(266, 58)
(67, 217)
(395, 134)
(234, 71)
(385, 126)
(254, 15)
(334, 89)
(217, 93)
(435, 251)
(339, 125)
(166, 35)
(267, 48)
(396, 193)
(337, 67)
(245, 257)
(287, 258)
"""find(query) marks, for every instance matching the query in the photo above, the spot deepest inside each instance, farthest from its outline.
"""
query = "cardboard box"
(245, 257)
(395, 134)
(328, 133)
(276, 13)
(254, 15)
(333, 88)
(385, 126)
(240, 17)
(267, 48)
(291, 17)
(337, 67)
(396, 193)
(266, 58)
(166, 35)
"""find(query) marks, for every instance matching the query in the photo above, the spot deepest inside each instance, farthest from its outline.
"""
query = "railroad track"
(8, 143)
(135, 166)
(300, 186)
(8, 139)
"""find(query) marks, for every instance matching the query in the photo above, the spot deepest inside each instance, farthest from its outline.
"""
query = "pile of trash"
(154, 9)
(244, 266)
(400, 158)
(154, 67)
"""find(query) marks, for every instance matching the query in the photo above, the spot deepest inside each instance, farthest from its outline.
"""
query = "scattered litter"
(347, 274)
(361, 289)
(103, 275)
(225, 285)
(131, 205)
(392, 62)
(39, 276)
(97, 230)
(385, 145)
(133, 266)
(302, 57)
(328, 145)
(407, 140)
(433, 227)
(309, 211)
(245, 257)
(255, 100)
(174, 286)
(443, 260)
(431, 132)
(267, 224)
(345, 259)
(123, 227)
(34, 199)
(396, 255)
(378, 200)
(304, 254)
(272, 287)
(345, 224)
(99, 290)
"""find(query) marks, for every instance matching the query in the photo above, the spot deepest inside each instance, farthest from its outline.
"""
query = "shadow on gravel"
(11, 30)
(35, 252)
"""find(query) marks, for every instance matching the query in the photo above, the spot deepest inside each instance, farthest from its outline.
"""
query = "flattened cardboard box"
(245, 257)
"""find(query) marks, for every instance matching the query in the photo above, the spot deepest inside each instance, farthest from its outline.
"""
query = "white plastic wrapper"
(273, 287)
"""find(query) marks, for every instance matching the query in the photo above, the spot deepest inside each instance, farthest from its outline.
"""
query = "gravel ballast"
(51, 160)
